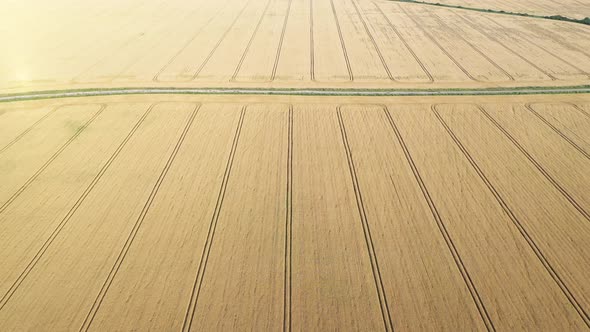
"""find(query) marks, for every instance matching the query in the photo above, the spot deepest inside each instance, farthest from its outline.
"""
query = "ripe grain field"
(294, 165)
(577, 9)
(283, 43)
(375, 213)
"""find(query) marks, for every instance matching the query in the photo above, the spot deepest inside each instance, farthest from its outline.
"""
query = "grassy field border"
(72, 93)
(584, 21)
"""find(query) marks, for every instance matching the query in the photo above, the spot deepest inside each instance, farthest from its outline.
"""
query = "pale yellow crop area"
(267, 210)
(577, 9)
(281, 43)
(229, 213)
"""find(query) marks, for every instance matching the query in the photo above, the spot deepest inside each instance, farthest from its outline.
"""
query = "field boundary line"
(293, 92)
(403, 40)
(509, 49)
(53, 156)
(441, 225)
(144, 212)
(529, 106)
(289, 227)
(508, 211)
(537, 165)
(429, 35)
(384, 306)
(6, 297)
(192, 305)
(26, 131)
(56, 94)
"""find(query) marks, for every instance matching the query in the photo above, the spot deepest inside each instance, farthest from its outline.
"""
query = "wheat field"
(146, 213)
(577, 9)
(294, 165)
(283, 43)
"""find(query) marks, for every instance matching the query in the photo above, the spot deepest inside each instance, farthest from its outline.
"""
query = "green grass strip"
(73, 93)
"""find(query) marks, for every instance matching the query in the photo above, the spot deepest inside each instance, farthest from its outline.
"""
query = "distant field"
(578, 9)
(282, 43)
(223, 213)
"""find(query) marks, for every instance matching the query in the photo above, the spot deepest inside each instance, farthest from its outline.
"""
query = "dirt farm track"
(294, 165)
